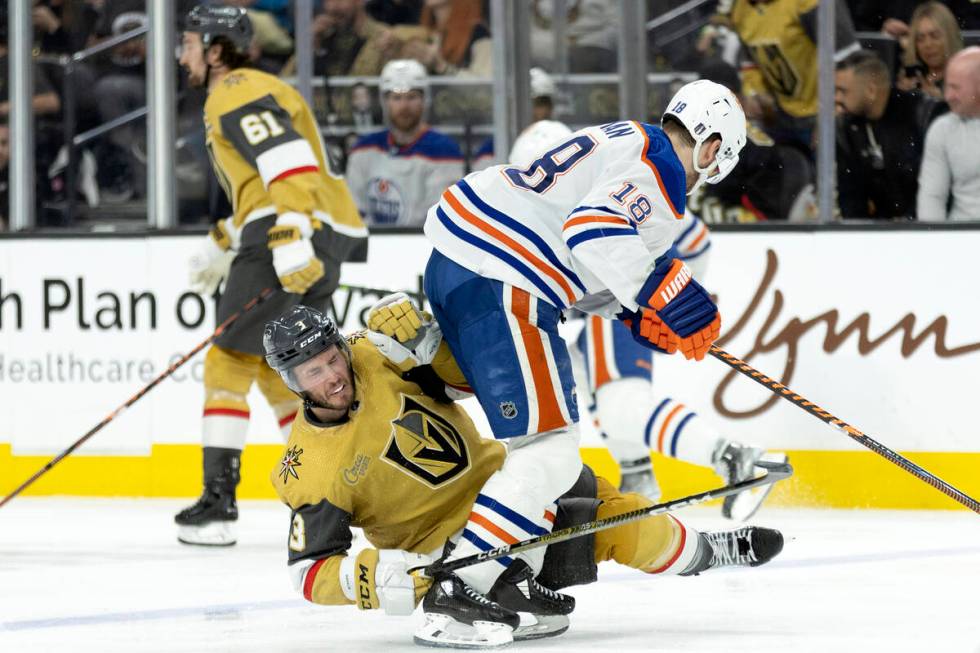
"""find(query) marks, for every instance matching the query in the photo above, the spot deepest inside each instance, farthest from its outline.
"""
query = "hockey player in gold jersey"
(380, 445)
(294, 223)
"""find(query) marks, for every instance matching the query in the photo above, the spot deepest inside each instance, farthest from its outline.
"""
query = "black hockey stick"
(782, 391)
(262, 296)
(774, 472)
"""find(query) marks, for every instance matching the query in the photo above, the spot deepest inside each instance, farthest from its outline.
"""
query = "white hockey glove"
(296, 264)
(210, 263)
(403, 334)
(379, 579)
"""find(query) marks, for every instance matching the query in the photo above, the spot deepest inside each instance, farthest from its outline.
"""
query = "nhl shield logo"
(508, 409)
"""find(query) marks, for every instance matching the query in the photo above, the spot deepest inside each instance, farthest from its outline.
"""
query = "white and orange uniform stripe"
(586, 220)
(547, 401)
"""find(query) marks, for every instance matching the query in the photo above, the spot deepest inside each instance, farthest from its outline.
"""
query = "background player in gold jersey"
(294, 223)
(379, 444)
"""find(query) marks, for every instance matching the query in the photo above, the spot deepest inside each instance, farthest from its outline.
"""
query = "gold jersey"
(776, 41)
(267, 153)
(404, 467)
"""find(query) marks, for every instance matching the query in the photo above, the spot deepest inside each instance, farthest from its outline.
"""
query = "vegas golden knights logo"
(426, 446)
(776, 67)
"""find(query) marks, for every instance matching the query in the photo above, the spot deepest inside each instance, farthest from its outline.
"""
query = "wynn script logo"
(794, 328)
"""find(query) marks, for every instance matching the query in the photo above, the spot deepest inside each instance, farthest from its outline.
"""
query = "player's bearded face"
(327, 381)
(192, 58)
(405, 109)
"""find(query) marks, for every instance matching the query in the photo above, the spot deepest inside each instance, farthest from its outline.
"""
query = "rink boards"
(879, 328)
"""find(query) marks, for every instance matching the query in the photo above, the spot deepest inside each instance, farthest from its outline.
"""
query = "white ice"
(108, 575)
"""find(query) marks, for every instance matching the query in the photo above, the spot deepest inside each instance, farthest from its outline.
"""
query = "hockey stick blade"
(863, 439)
(774, 472)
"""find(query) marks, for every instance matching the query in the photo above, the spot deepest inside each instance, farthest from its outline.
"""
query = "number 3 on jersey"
(540, 175)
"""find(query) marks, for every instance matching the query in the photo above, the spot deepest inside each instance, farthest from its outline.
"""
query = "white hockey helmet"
(542, 85)
(403, 75)
(706, 108)
(534, 141)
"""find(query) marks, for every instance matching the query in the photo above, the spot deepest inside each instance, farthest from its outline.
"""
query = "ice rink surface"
(106, 575)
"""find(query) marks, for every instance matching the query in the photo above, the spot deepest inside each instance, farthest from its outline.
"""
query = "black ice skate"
(749, 546)
(637, 476)
(457, 616)
(543, 612)
(735, 462)
(211, 521)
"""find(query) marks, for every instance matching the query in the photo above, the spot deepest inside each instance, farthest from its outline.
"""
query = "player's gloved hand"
(682, 306)
(210, 263)
(396, 316)
(420, 350)
(649, 330)
(296, 264)
(379, 579)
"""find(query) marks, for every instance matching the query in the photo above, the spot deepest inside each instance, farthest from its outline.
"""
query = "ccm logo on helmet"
(310, 339)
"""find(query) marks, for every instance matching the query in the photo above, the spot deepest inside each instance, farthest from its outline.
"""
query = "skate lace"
(550, 593)
(476, 596)
(731, 547)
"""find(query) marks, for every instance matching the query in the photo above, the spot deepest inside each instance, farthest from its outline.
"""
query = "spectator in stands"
(880, 139)
(933, 38)
(347, 41)
(63, 26)
(121, 88)
(771, 181)
(395, 12)
(46, 105)
(4, 174)
(950, 174)
(271, 44)
(458, 40)
(591, 34)
(397, 173)
(779, 76)
(365, 112)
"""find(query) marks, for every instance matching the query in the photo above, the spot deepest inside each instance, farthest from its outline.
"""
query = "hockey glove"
(421, 350)
(648, 330)
(296, 264)
(379, 579)
(210, 263)
(682, 306)
(396, 316)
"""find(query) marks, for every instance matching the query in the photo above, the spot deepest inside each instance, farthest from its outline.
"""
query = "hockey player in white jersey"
(397, 173)
(618, 373)
(588, 225)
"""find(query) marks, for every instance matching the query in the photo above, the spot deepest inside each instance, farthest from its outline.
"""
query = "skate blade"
(745, 504)
(539, 626)
(217, 533)
(442, 631)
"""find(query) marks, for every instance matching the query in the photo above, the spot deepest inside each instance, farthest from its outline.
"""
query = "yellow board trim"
(827, 479)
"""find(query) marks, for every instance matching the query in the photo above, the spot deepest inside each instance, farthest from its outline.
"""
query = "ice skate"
(748, 546)
(457, 616)
(543, 612)
(735, 462)
(637, 476)
(212, 520)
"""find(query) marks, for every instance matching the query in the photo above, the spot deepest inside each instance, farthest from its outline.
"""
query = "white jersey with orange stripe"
(580, 226)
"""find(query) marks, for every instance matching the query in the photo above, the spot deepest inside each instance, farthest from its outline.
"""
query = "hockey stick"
(782, 391)
(774, 472)
(262, 296)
